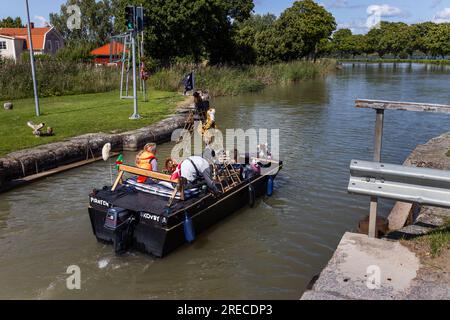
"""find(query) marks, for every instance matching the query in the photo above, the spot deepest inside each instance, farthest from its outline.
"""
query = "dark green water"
(269, 252)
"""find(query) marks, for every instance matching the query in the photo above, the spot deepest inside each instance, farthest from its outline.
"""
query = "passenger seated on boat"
(194, 169)
(146, 159)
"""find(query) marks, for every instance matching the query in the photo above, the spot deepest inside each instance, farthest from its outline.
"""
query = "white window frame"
(3, 45)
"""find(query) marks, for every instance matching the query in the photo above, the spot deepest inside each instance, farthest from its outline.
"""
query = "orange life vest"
(144, 161)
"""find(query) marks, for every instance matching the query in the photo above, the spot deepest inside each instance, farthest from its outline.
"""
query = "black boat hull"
(151, 237)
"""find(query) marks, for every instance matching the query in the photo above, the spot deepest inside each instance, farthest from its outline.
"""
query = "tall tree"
(193, 29)
(246, 33)
(303, 26)
(96, 22)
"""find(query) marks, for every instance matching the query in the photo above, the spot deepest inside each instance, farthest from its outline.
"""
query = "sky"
(353, 14)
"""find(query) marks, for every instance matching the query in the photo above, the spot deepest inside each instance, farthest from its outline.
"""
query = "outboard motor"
(120, 222)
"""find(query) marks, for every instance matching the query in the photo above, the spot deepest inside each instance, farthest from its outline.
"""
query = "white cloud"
(442, 16)
(42, 21)
(385, 10)
(357, 27)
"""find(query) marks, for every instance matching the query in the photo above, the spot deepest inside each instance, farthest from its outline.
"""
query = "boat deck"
(139, 201)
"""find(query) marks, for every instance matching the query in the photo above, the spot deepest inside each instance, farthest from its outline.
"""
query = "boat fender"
(270, 186)
(251, 196)
(189, 232)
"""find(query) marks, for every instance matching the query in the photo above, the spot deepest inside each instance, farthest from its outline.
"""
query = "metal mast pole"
(135, 115)
(33, 68)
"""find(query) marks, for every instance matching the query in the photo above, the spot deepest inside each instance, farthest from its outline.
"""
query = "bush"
(55, 78)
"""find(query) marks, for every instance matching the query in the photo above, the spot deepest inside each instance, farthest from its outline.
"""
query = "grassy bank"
(423, 61)
(79, 114)
(55, 78)
(221, 81)
(434, 243)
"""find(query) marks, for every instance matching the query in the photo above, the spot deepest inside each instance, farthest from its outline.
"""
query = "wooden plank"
(147, 173)
(118, 179)
(405, 106)
(35, 177)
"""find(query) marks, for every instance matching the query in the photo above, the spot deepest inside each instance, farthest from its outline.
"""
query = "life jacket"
(144, 161)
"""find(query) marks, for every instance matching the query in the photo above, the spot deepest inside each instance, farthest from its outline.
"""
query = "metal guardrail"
(380, 106)
(408, 184)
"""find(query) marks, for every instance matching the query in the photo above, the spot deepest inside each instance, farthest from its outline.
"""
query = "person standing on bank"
(146, 159)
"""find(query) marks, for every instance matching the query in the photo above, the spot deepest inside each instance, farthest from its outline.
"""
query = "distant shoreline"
(422, 61)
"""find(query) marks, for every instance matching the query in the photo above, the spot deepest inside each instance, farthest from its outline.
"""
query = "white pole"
(33, 67)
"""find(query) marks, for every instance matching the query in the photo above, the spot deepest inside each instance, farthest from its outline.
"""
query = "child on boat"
(146, 159)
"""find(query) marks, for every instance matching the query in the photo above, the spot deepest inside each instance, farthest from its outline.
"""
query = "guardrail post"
(377, 158)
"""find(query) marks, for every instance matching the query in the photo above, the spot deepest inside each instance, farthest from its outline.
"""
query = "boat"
(158, 218)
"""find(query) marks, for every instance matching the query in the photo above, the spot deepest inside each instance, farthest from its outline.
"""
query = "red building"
(110, 50)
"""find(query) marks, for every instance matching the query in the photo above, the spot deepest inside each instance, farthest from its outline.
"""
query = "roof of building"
(37, 34)
(114, 48)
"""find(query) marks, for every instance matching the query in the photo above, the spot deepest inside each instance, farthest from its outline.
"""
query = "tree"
(269, 46)
(245, 34)
(374, 41)
(343, 41)
(421, 31)
(303, 26)
(96, 22)
(189, 29)
(9, 22)
(438, 40)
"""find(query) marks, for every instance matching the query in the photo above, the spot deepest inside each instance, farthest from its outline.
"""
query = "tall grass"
(225, 80)
(55, 78)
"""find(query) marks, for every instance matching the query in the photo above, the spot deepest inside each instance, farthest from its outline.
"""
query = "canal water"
(269, 252)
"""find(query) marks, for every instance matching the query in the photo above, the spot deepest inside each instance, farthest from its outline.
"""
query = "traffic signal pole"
(130, 17)
(135, 115)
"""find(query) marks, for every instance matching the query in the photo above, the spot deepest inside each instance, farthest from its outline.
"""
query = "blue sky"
(349, 13)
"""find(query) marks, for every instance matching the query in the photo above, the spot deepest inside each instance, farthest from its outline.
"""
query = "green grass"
(438, 239)
(424, 61)
(225, 80)
(75, 115)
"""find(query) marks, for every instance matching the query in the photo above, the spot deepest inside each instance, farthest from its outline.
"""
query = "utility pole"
(33, 67)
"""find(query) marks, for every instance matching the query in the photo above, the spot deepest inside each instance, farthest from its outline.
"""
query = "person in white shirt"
(193, 169)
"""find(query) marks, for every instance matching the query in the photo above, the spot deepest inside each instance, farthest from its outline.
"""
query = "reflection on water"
(271, 251)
